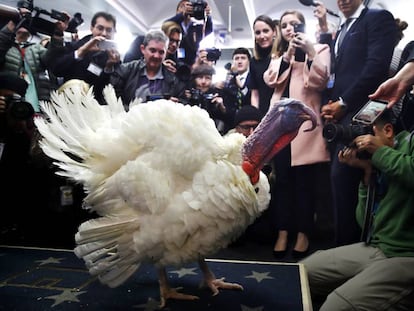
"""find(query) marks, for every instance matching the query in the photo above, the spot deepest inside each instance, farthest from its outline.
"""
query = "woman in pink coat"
(302, 72)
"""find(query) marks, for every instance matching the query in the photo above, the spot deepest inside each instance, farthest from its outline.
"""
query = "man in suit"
(86, 58)
(361, 58)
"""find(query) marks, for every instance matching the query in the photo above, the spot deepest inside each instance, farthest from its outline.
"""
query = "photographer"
(194, 17)
(86, 58)
(200, 92)
(15, 134)
(362, 52)
(26, 59)
(376, 274)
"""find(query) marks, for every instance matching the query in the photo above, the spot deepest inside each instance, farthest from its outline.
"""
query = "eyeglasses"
(102, 28)
(175, 41)
(247, 127)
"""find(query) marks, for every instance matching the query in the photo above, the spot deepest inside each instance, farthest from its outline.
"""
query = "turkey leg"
(166, 292)
(213, 283)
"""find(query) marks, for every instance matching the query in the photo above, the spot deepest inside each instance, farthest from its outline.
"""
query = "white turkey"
(168, 188)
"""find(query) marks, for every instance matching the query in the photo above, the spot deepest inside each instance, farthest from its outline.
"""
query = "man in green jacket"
(378, 273)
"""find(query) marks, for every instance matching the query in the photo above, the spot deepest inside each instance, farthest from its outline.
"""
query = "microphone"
(312, 3)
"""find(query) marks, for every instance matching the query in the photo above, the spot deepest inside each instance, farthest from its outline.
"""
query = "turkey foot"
(216, 284)
(166, 292)
(213, 283)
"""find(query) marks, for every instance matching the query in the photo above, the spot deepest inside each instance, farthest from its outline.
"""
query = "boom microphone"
(312, 3)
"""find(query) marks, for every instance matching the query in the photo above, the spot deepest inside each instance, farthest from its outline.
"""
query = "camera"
(74, 22)
(213, 54)
(18, 108)
(345, 134)
(299, 54)
(107, 45)
(200, 99)
(362, 124)
(36, 24)
(199, 7)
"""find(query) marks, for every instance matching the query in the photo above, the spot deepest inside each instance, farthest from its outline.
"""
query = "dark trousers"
(281, 202)
(345, 181)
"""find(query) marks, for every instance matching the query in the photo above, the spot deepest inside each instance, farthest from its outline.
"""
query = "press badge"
(331, 81)
(95, 69)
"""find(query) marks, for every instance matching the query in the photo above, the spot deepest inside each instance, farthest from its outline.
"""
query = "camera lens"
(331, 132)
(21, 110)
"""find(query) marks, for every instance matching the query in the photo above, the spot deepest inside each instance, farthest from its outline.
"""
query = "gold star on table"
(184, 271)
(49, 261)
(258, 276)
(66, 295)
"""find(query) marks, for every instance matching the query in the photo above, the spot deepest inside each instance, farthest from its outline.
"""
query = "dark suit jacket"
(364, 58)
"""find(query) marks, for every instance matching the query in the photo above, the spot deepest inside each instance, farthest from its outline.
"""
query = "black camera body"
(199, 7)
(200, 99)
(17, 108)
(338, 133)
(34, 22)
(346, 134)
(362, 124)
(213, 54)
(299, 54)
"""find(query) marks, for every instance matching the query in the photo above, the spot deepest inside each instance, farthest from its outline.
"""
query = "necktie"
(240, 93)
(344, 30)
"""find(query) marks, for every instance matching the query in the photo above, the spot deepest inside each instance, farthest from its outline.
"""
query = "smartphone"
(107, 45)
(370, 112)
(299, 28)
(299, 54)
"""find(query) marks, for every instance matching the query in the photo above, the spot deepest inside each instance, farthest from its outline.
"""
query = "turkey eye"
(256, 190)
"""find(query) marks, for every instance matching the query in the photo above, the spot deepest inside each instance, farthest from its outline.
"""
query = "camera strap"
(31, 92)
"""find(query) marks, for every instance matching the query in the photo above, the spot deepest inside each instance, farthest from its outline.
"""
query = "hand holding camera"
(298, 42)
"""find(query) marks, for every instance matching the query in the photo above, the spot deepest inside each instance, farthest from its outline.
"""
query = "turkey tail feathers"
(105, 244)
(72, 127)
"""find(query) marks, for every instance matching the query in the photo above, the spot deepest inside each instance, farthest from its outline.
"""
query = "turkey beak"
(276, 130)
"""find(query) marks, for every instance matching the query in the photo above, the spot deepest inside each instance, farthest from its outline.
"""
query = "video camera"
(199, 7)
(17, 108)
(33, 20)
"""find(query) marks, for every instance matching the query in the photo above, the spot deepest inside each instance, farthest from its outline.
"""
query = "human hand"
(391, 91)
(302, 41)
(90, 46)
(170, 65)
(219, 103)
(63, 25)
(368, 143)
(113, 58)
(320, 10)
(349, 156)
(332, 111)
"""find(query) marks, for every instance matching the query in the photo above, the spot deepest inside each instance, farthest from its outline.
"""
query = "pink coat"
(306, 85)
